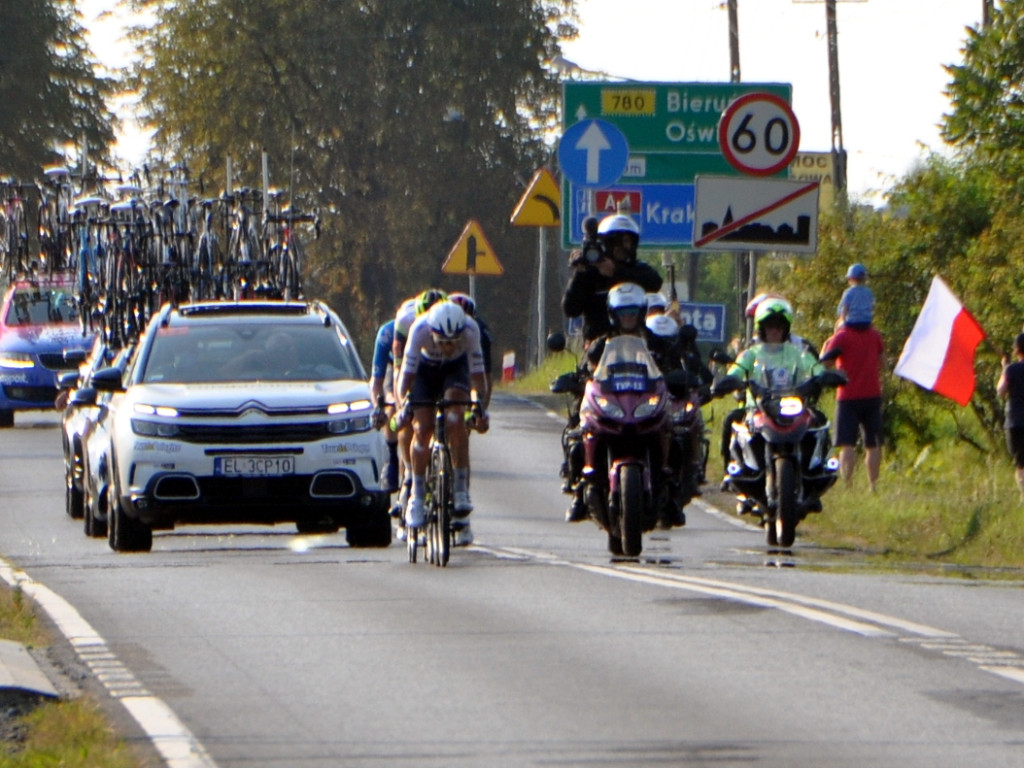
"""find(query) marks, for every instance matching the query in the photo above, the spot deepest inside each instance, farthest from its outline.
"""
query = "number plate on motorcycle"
(253, 466)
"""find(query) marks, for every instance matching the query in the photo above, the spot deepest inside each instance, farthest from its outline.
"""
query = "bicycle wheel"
(443, 503)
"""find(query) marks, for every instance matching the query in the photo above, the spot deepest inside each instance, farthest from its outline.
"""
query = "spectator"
(1011, 387)
(861, 356)
(857, 304)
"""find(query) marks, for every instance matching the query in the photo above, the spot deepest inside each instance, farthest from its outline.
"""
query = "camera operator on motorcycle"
(608, 257)
(774, 357)
(443, 358)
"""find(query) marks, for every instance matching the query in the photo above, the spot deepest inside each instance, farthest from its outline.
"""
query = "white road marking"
(172, 739)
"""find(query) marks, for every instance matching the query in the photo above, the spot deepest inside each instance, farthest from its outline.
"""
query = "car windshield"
(220, 353)
(42, 306)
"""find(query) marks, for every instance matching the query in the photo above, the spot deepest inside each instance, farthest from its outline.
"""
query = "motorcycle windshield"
(779, 371)
(626, 366)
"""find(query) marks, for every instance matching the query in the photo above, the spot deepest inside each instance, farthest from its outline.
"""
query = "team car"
(40, 337)
(244, 412)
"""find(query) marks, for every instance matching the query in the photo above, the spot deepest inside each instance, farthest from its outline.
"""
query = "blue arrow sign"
(593, 153)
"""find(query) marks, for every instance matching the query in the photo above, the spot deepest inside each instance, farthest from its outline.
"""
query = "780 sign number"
(759, 134)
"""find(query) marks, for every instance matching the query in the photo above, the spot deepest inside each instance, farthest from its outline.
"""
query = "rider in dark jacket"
(612, 260)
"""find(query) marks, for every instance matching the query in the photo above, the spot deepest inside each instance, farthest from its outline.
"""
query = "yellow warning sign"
(541, 204)
(472, 254)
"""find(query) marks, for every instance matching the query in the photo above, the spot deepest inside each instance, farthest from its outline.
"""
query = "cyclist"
(468, 305)
(406, 316)
(443, 358)
(382, 392)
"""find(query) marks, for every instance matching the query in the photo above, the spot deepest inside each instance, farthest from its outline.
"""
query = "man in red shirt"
(859, 401)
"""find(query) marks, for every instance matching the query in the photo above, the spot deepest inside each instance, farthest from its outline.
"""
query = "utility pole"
(838, 152)
(987, 9)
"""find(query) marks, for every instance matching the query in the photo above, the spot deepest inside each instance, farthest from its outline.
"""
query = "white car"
(247, 412)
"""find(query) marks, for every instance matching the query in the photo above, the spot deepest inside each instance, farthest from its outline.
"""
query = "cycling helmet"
(856, 272)
(774, 308)
(626, 299)
(656, 301)
(663, 326)
(429, 298)
(465, 301)
(446, 319)
(617, 226)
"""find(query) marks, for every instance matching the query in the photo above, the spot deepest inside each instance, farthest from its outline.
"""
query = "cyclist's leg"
(426, 388)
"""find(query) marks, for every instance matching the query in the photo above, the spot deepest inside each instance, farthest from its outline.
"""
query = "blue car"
(40, 337)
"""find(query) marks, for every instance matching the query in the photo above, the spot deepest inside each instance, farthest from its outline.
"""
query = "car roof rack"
(244, 308)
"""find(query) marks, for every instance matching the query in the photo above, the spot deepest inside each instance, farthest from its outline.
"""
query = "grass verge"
(69, 733)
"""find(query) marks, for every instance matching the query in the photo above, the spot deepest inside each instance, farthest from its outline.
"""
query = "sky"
(891, 57)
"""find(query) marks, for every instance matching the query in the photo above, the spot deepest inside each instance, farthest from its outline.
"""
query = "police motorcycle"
(688, 446)
(780, 464)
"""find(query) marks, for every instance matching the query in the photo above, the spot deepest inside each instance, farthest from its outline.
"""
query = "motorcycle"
(689, 466)
(621, 418)
(780, 463)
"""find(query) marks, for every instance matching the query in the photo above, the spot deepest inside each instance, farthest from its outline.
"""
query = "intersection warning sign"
(541, 205)
(472, 254)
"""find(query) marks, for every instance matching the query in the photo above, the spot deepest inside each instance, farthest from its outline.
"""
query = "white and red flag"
(939, 355)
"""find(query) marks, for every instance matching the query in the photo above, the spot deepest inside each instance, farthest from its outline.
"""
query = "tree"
(50, 88)
(400, 120)
(986, 89)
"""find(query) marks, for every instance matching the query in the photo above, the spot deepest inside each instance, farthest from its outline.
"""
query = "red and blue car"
(40, 337)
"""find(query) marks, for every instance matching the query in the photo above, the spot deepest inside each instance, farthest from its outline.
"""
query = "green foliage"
(400, 120)
(50, 93)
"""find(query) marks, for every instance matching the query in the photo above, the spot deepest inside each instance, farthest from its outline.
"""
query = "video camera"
(592, 250)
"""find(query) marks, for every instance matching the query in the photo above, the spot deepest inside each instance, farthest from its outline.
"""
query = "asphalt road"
(258, 647)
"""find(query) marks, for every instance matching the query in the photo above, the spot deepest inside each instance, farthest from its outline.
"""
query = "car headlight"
(154, 428)
(357, 417)
(648, 407)
(19, 360)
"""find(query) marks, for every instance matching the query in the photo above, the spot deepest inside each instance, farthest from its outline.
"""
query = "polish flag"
(939, 355)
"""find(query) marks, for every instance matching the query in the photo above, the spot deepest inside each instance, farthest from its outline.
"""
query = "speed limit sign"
(759, 134)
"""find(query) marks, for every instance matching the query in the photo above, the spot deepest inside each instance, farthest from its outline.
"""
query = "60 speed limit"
(759, 134)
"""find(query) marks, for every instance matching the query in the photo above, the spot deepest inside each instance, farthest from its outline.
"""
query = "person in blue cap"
(857, 305)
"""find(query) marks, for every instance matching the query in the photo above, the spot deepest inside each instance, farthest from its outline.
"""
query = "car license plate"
(253, 466)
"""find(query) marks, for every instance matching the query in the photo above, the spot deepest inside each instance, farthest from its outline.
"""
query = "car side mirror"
(67, 380)
(108, 380)
(82, 397)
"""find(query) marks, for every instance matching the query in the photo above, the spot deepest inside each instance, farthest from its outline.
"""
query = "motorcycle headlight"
(648, 407)
(791, 406)
(16, 360)
(609, 408)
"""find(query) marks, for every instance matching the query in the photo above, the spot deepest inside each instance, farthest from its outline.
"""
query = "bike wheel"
(442, 505)
(631, 502)
(785, 519)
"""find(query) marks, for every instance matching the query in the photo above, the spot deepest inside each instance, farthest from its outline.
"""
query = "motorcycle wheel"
(631, 504)
(785, 504)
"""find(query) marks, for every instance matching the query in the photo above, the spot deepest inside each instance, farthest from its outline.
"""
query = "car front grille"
(22, 394)
(54, 361)
(252, 434)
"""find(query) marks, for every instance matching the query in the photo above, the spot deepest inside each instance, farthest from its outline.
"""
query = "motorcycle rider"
(774, 358)
(443, 358)
(608, 257)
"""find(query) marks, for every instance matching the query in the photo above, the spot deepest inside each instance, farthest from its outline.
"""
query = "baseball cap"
(856, 272)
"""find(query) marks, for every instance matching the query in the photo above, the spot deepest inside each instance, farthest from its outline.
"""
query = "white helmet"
(663, 326)
(626, 298)
(656, 301)
(617, 222)
(446, 319)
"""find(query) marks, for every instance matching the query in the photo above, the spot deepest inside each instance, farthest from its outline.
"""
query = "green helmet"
(429, 298)
(773, 308)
